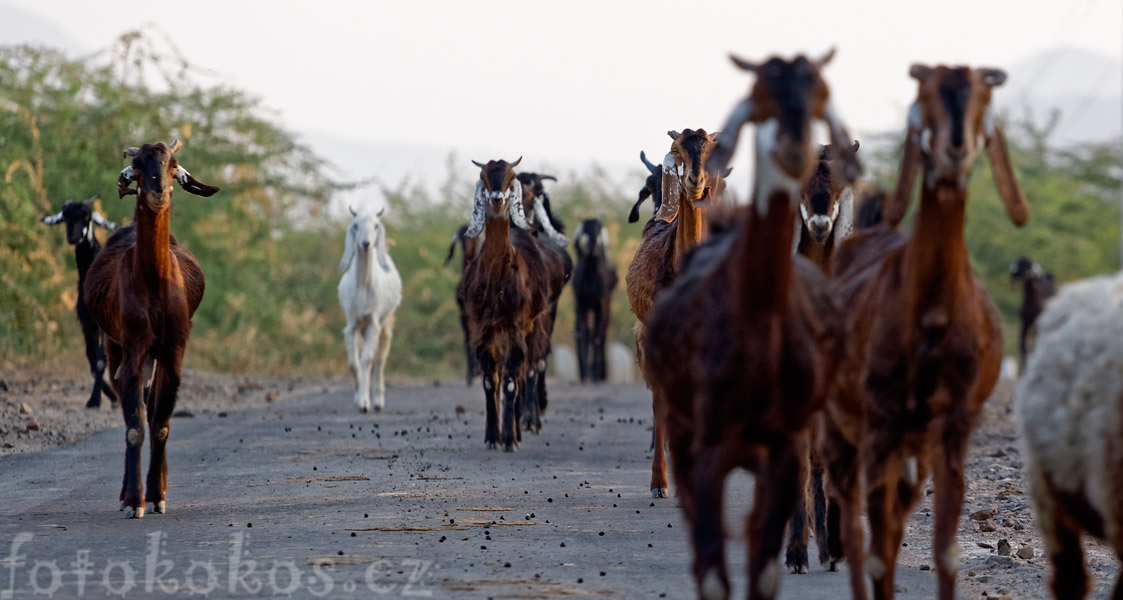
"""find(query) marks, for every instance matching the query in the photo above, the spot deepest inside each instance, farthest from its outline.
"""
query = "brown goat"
(505, 290)
(743, 345)
(468, 249)
(143, 289)
(826, 218)
(675, 228)
(924, 342)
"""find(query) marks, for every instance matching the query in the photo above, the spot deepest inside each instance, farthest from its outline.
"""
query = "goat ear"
(672, 191)
(96, 217)
(380, 248)
(123, 181)
(920, 72)
(348, 249)
(190, 184)
(844, 223)
(743, 64)
(1003, 171)
(992, 77)
(673, 134)
(634, 215)
(895, 212)
(54, 219)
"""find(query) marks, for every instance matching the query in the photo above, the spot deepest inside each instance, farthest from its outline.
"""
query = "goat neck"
(935, 267)
(498, 253)
(153, 253)
(689, 231)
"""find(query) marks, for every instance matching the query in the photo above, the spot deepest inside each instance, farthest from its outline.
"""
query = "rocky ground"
(362, 496)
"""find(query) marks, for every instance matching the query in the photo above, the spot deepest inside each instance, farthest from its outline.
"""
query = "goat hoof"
(713, 587)
(122, 506)
(660, 493)
(134, 512)
(833, 567)
(492, 445)
(160, 508)
(796, 560)
(510, 447)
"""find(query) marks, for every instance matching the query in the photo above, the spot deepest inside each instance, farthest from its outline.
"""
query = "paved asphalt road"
(306, 498)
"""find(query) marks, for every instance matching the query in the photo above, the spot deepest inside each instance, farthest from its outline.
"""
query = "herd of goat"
(801, 335)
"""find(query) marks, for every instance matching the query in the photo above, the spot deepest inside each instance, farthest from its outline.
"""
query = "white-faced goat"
(80, 218)
(1071, 411)
(593, 282)
(369, 291)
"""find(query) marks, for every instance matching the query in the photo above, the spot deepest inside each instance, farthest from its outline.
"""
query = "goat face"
(366, 232)
(498, 195)
(591, 240)
(827, 194)
(154, 167)
(952, 114)
(80, 218)
(690, 149)
(1025, 270)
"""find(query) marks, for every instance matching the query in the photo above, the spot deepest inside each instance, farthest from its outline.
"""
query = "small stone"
(1003, 548)
(1009, 523)
(987, 527)
(1025, 552)
(925, 567)
(32, 426)
(1000, 561)
(983, 579)
(984, 514)
(984, 545)
(24, 409)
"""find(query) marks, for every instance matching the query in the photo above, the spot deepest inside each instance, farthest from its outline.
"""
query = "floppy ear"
(380, 248)
(634, 215)
(123, 181)
(190, 184)
(1003, 171)
(844, 223)
(99, 220)
(895, 212)
(348, 248)
(57, 218)
(672, 191)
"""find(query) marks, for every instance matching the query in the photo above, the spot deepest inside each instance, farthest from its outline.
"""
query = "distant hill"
(1085, 86)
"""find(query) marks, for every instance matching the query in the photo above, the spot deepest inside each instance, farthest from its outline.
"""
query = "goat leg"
(659, 486)
(775, 494)
(165, 388)
(132, 407)
(947, 480)
(706, 482)
(798, 532)
(510, 394)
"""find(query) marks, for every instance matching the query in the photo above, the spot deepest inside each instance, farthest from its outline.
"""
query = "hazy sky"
(578, 79)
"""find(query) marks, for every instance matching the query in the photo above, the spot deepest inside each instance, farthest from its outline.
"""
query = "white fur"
(844, 216)
(369, 291)
(1071, 401)
(769, 176)
(544, 219)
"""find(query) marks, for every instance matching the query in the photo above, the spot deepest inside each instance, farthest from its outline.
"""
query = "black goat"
(80, 217)
(593, 282)
(1037, 287)
(653, 188)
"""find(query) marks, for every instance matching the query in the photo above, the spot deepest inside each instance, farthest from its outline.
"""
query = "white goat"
(1071, 410)
(370, 291)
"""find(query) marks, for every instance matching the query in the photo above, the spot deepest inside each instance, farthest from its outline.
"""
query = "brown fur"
(743, 346)
(468, 247)
(676, 228)
(143, 289)
(506, 291)
(924, 343)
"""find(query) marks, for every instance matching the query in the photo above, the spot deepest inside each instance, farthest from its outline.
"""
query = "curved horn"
(993, 77)
(479, 164)
(380, 211)
(547, 225)
(515, 207)
(130, 151)
(726, 144)
(176, 145)
(90, 200)
(354, 213)
(123, 180)
(517, 161)
(547, 178)
(919, 72)
(826, 58)
(673, 134)
(96, 217)
(743, 64)
(647, 163)
(54, 219)
(479, 212)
